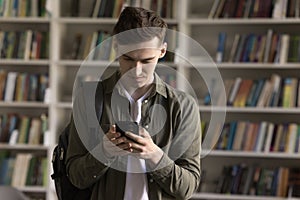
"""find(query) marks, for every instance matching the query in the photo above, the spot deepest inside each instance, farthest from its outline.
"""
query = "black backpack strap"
(99, 100)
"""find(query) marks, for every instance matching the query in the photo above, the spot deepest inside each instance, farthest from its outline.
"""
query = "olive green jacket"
(171, 117)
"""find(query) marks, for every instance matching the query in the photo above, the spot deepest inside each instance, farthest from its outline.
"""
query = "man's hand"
(114, 144)
(143, 147)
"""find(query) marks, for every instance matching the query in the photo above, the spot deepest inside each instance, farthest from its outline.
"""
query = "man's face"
(137, 66)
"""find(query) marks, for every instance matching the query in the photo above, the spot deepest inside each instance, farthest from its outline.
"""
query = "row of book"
(22, 8)
(90, 46)
(17, 86)
(267, 48)
(23, 129)
(26, 45)
(23, 169)
(255, 9)
(258, 137)
(112, 8)
(275, 91)
(259, 181)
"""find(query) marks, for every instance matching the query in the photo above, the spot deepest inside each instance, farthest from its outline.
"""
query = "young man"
(161, 160)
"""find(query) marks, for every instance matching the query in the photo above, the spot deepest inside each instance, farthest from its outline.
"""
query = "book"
(240, 48)
(259, 56)
(285, 40)
(268, 45)
(221, 47)
(297, 8)
(22, 43)
(249, 177)
(248, 8)
(213, 9)
(297, 142)
(232, 131)
(43, 85)
(30, 178)
(24, 128)
(276, 88)
(219, 9)
(239, 134)
(289, 92)
(35, 131)
(234, 91)
(13, 137)
(273, 47)
(234, 47)
(278, 137)
(293, 52)
(243, 92)
(291, 138)
(261, 136)
(10, 86)
(249, 43)
(3, 75)
(257, 93)
(96, 8)
(8, 168)
(298, 95)
(265, 94)
(269, 136)
(25, 168)
(28, 44)
(251, 93)
(249, 137)
(240, 8)
(32, 94)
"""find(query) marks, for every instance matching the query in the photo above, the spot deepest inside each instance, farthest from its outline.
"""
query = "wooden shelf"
(237, 197)
(248, 154)
(242, 21)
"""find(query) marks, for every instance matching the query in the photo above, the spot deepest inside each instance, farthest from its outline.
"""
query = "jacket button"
(151, 180)
(94, 176)
(146, 126)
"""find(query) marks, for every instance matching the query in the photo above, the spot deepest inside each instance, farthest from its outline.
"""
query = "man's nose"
(138, 68)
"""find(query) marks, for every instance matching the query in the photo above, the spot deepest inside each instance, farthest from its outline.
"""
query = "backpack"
(65, 190)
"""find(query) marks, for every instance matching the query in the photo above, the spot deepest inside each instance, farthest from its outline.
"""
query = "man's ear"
(163, 50)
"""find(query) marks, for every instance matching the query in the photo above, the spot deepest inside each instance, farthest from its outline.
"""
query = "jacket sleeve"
(180, 177)
(85, 165)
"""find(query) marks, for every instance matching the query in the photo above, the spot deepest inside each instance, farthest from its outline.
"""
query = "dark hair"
(146, 25)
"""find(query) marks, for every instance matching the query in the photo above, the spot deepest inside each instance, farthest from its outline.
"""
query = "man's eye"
(126, 58)
(146, 61)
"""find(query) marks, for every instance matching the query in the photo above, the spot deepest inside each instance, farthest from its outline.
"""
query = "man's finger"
(144, 133)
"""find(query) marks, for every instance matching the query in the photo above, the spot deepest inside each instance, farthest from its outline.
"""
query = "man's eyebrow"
(150, 58)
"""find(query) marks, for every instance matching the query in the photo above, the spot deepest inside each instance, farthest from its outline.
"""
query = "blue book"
(251, 93)
(4, 170)
(221, 47)
(248, 47)
(258, 90)
(232, 130)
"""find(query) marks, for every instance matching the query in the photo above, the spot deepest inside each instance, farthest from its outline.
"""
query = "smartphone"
(123, 126)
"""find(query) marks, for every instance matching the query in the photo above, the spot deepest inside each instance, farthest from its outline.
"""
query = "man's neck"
(139, 92)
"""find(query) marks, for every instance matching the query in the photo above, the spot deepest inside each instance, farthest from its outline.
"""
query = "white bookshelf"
(191, 19)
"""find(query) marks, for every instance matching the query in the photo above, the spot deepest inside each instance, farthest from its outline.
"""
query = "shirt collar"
(160, 85)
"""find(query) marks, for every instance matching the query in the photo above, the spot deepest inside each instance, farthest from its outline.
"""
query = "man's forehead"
(151, 44)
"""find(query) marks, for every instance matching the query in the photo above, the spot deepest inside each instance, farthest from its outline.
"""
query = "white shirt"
(136, 187)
